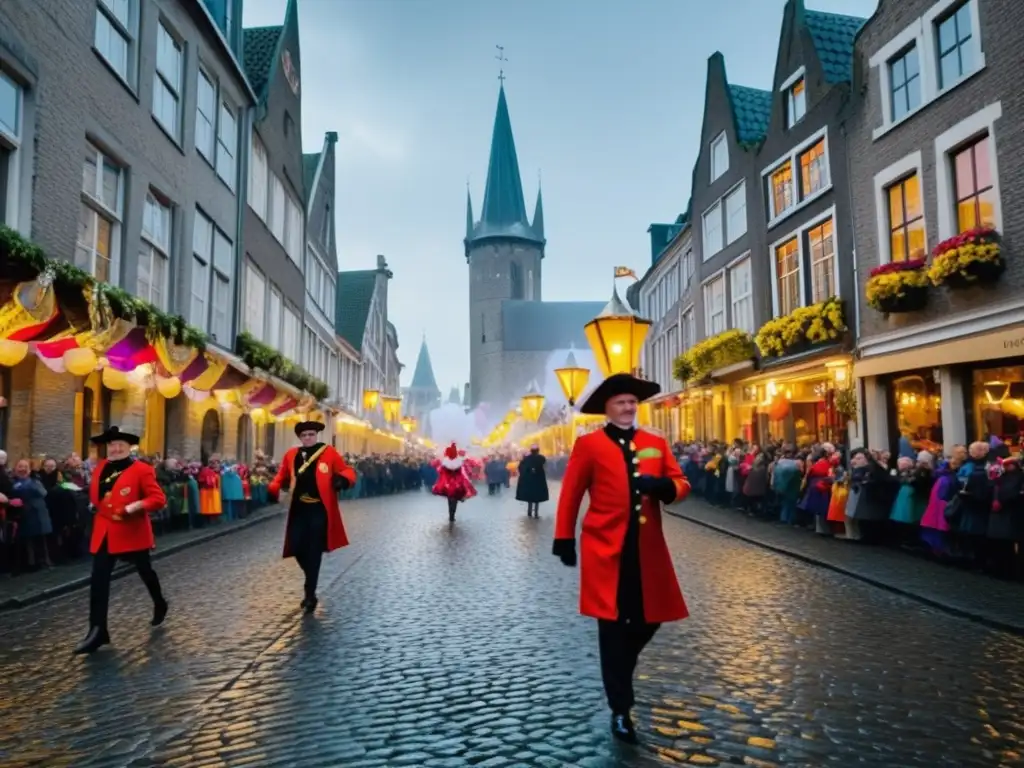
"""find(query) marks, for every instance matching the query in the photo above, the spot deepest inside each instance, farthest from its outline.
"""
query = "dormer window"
(796, 103)
(719, 156)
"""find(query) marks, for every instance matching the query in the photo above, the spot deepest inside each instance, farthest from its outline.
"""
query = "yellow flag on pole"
(625, 272)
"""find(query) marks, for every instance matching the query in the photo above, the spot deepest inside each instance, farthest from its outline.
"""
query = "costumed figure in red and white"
(452, 480)
(627, 580)
(123, 494)
(314, 473)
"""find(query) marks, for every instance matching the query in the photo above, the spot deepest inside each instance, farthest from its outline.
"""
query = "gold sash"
(312, 460)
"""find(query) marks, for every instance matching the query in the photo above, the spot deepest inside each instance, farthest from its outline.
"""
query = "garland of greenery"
(259, 356)
(722, 350)
(20, 255)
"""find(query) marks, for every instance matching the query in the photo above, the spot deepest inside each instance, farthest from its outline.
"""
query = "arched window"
(210, 441)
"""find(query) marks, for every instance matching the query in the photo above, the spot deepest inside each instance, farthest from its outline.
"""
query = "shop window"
(917, 406)
(998, 397)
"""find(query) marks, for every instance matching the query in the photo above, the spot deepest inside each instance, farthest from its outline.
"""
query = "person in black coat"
(532, 486)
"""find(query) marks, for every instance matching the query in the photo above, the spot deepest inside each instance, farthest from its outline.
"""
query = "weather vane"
(501, 57)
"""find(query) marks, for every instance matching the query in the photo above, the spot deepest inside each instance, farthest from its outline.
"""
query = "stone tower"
(504, 251)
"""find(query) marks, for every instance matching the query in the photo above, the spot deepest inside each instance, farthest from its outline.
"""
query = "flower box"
(724, 349)
(969, 259)
(898, 287)
(802, 328)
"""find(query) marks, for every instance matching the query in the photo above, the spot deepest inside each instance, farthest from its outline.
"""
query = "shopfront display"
(997, 399)
(915, 410)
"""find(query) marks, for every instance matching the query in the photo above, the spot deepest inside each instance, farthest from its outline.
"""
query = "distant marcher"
(532, 486)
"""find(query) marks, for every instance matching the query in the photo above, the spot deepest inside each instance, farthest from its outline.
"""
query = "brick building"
(936, 132)
(120, 149)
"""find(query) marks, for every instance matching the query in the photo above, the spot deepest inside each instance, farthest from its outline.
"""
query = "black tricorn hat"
(114, 434)
(615, 385)
(308, 426)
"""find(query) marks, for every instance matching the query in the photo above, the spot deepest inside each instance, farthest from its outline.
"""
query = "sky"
(606, 99)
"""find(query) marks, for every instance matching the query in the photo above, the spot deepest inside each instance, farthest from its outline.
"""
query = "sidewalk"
(19, 591)
(999, 604)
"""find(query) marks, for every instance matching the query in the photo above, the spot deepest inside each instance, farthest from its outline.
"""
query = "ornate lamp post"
(616, 336)
(532, 402)
(572, 378)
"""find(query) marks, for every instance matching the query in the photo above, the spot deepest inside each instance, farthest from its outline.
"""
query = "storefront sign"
(989, 346)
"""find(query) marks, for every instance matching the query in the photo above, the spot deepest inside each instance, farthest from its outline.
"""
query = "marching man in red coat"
(627, 581)
(123, 492)
(315, 473)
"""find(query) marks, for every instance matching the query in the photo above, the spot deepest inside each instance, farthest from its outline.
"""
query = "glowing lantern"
(616, 336)
(779, 409)
(532, 402)
(80, 362)
(643, 415)
(392, 407)
(572, 379)
(114, 379)
(370, 399)
(408, 424)
(169, 387)
(12, 352)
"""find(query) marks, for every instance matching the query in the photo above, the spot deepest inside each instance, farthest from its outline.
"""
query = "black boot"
(159, 612)
(309, 604)
(93, 641)
(622, 729)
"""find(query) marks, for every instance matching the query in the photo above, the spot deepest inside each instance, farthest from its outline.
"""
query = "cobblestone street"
(438, 645)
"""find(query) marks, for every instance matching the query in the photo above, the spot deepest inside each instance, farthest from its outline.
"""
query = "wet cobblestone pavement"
(454, 646)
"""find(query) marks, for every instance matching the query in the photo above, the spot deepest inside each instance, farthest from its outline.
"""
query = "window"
(258, 178)
(799, 178)
(10, 141)
(796, 103)
(974, 187)
(813, 170)
(956, 52)
(167, 82)
(223, 269)
(114, 39)
(714, 307)
(742, 295)
(736, 213)
(906, 220)
(712, 231)
(227, 144)
(719, 156)
(206, 116)
(10, 108)
(325, 235)
(255, 301)
(99, 221)
(688, 267)
(290, 339)
(689, 330)
(787, 271)
(155, 252)
(781, 187)
(821, 244)
(274, 320)
(277, 207)
(202, 255)
(905, 82)
(295, 241)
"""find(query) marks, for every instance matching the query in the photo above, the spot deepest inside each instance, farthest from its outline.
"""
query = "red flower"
(898, 266)
(975, 236)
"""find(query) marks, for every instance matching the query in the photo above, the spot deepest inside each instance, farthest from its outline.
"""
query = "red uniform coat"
(596, 466)
(327, 465)
(124, 532)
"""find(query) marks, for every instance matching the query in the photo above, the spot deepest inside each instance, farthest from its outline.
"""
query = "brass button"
(636, 474)
(636, 460)
(637, 507)
(621, 441)
(642, 519)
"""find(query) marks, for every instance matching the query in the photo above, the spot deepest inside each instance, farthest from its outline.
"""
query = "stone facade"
(76, 102)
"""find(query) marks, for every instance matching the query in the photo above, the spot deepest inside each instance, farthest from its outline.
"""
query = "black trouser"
(99, 585)
(620, 644)
(308, 541)
(453, 504)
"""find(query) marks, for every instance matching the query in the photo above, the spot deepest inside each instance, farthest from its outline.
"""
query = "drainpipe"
(860, 383)
(241, 203)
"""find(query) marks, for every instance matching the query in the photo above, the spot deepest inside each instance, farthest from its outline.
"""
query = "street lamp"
(532, 402)
(616, 336)
(370, 399)
(572, 379)
(392, 407)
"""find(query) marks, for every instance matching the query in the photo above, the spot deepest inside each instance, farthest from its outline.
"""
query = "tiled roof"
(751, 109)
(833, 36)
(543, 326)
(352, 304)
(259, 46)
(309, 166)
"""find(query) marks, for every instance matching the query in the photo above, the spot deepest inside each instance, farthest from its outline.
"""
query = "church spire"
(423, 375)
(504, 207)
(469, 213)
(538, 213)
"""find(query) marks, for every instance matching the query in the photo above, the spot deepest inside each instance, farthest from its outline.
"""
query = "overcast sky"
(606, 100)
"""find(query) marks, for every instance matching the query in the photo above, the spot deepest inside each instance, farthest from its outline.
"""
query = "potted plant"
(901, 286)
(971, 258)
